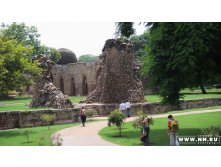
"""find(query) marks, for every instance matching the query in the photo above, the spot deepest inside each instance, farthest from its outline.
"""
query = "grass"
(22, 103)
(77, 99)
(190, 125)
(16, 137)
(195, 109)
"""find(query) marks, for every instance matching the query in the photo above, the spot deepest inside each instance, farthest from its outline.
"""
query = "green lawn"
(189, 125)
(16, 137)
(195, 109)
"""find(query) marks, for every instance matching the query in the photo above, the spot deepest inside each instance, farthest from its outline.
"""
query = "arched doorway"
(62, 85)
(84, 86)
(73, 90)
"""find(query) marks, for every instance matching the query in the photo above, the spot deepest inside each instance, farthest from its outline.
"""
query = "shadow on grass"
(15, 98)
(200, 93)
(12, 133)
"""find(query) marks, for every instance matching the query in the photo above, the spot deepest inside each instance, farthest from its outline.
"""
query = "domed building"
(67, 56)
(75, 78)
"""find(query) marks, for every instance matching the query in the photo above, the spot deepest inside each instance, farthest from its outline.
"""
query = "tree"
(124, 29)
(181, 55)
(138, 121)
(26, 36)
(87, 58)
(117, 118)
(52, 53)
(16, 68)
(139, 43)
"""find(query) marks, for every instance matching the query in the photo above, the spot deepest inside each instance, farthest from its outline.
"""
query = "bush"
(117, 118)
(48, 119)
(138, 122)
(27, 133)
(213, 131)
(91, 113)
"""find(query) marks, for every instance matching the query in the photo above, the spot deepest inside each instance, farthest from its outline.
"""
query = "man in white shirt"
(127, 104)
(123, 108)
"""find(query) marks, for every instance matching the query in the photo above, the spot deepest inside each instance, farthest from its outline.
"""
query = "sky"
(79, 37)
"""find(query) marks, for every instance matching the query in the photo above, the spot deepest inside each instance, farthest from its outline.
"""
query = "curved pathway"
(88, 135)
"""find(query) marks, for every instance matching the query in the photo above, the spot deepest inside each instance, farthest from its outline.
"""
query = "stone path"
(88, 135)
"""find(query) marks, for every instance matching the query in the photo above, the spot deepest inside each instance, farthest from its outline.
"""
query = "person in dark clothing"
(83, 115)
(146, 131)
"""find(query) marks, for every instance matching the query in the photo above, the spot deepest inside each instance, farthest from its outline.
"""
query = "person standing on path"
(83, 115)
(172, 130)
(123, 108)
(127, 104)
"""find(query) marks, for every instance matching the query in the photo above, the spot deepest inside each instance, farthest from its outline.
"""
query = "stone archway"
(62, 85)
(84, 86)
(73, 89)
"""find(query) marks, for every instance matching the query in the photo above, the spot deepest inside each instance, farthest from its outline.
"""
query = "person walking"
(127, 104)
(172, 130)
(83, 115)
(146, 130)
(122, 108)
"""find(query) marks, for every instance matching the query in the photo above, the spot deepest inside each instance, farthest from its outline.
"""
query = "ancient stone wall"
(118, 80)
(19, 119)
(76, 78)
(23, 119)
(156, 108)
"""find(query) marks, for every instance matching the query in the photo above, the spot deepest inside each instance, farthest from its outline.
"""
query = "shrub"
(138, 122)
(117, 118)
(91, 113)
(48, 119)
(213, 131)
(27, 133)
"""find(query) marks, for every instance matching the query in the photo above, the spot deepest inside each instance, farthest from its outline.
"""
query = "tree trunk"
(202, 87)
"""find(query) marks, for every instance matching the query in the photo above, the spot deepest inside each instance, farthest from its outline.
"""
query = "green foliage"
(117, 118)
(181, 55)
(48, 119)
(16, 68)
(27, 133)
(27, 36)
(139, 43)
(212, 131)
(91, 113)
(87, 58)
(52, 53)
(138, 121)
(124, 29)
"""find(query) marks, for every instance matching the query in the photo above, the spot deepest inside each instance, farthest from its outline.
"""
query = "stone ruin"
(44, 91)
(118, 80)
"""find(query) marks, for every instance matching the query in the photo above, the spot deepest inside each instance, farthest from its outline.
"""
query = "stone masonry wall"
(73, 75)
(19, 119)
(23, 119)
(155, 108)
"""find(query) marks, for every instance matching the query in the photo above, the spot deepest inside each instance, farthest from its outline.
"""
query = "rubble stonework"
(44, 92)
(118, 80)
(19, 119)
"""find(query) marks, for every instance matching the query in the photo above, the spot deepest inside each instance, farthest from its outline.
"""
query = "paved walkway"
(88, 135)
